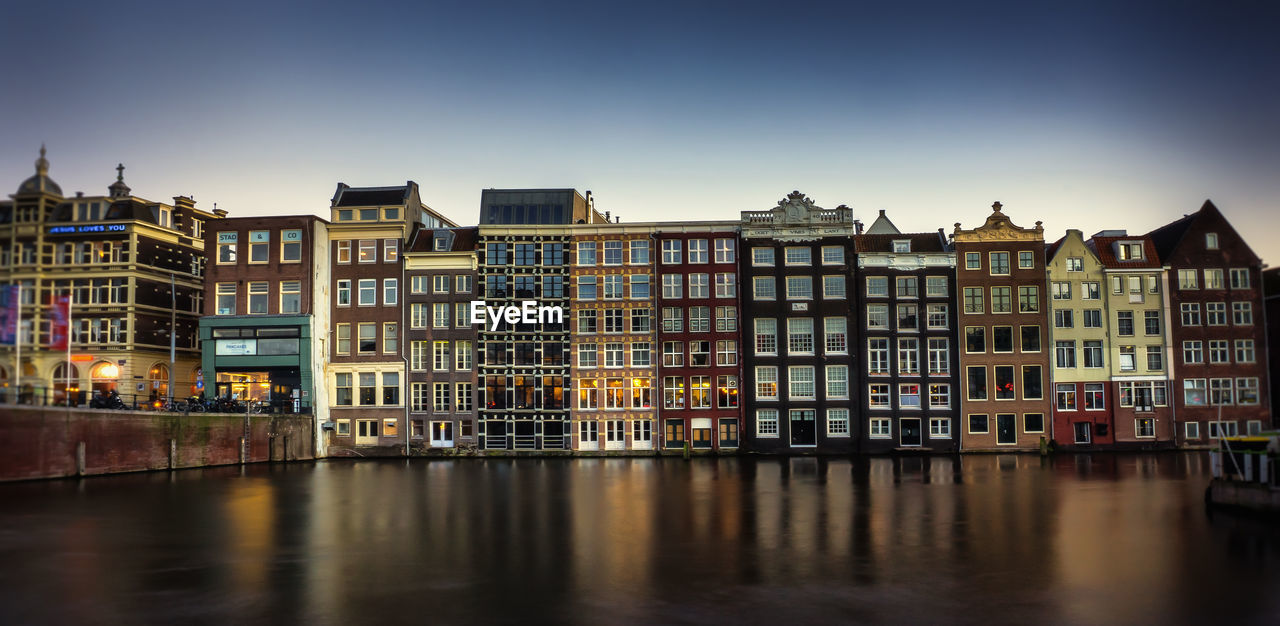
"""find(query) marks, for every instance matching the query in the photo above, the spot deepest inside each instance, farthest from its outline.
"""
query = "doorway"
(1006, 429)
(911, 435)
(366, 432)
(804, 427)
(442, 434)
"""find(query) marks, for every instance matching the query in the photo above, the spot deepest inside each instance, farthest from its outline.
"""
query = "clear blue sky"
(1085, 115)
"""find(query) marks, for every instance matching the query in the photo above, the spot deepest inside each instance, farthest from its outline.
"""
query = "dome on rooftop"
(40, 183)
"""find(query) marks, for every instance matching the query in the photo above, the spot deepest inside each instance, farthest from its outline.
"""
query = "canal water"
(1072, 539)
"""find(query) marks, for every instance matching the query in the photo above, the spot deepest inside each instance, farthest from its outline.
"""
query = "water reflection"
(1083, 538)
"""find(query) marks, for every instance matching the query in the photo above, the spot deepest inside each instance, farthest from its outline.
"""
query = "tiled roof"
(1102, 246)
(372, 196)
(920, 242)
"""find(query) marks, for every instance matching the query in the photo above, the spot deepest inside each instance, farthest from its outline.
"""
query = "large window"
(800, 335)
(290, 297)
(724, 250)
(766, 382)
(226, 299)
(976, 376)
(258, 296)
(801, 382)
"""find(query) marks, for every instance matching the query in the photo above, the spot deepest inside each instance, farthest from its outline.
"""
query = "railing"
(148, 402)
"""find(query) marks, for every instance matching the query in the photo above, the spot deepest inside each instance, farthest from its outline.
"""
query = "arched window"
(103, 377)
(60, 386)
(158, 381)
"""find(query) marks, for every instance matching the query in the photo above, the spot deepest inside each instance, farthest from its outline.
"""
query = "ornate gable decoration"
(797, 216)
(999, 227)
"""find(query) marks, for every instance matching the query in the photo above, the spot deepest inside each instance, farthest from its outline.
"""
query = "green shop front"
(264, 359)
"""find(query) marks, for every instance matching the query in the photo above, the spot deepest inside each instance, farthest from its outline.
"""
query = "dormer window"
(901, 246)
(442, 244)
(1129, 251)
(368, 215)
(345, 215)
(1211, 241)
(391, 214)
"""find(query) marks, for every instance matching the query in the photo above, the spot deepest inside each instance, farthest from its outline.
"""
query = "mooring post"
(243, 451)
(80, 459)
(173, 454)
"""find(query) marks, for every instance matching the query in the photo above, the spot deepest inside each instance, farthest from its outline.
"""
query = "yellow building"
(1078, 336)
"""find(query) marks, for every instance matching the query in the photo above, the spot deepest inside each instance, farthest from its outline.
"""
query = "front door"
(1082, 432)
(910, 431)
(1006, 429)
(804, 427)
(728, 433)
(588, 435)
(1142, 399)
(442, 434)
(366, 432)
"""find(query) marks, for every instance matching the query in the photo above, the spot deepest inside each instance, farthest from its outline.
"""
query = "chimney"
(857, 226)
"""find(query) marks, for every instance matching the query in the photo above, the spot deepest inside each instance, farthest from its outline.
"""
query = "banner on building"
(9, 314)
(60, 323)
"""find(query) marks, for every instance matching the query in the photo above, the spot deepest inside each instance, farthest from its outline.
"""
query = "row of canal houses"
(790, 330)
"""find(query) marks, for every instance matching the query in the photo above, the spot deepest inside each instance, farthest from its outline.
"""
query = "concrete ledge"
(1254, 497)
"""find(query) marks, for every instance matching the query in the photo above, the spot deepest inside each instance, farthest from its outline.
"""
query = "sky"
(1088, 115)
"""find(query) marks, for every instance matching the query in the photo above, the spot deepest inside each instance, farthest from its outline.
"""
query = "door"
(615, 437)
(442, 434)
(910, 431)
(675, 434)
(804, 427)
(642, 435)
(1083, 432)
(728, 433)
(1142, 399)
(588, 435)
(366, 432)
(1006, 429)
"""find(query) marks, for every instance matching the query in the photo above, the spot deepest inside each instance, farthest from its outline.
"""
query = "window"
(936, 316)
(258, 292)
(1155, 358)
(1032, 383)
(767, 423)
(999, 263)
(1002, 339)
(902, 246)
(671, 251)
(838, 422)
(726, 352)
(972, 261)
(672, 286)
(837, 335)
(1213, 279)
(1192, 352)
(291, 246)
(586, 253)
(975, 339)
(1194, 391)
(612, 286)
(1247, 390)
(877, 286)
(1144, 427)
(697, 250)
(1124, 323)
(1191, 314)
(588, 356)
(908, 317)
(766, 336)
(1001, 300)
(724, 251)
(226, 247)
(614, 354)
(881, 428)
(1063, 318)
(877, 316)
(908, 396)
(977, 378)
(367, 292)
(440, 398)
(1244, 351)
(390, 250)
(801, 385)
(1094, 396)
(367, 251)
(226, 299)
(726, 319)
(1061, 291)
(1005, 389)
(878, 396)
(1028, 299)
(1033, 422)
(700, 392)
(908, 355)
(418, 356)
(615, 394)
(939, 428)
(342, 343)
(588, 393)
(799, 287)
(1030, 338)
(641, 394)
(641, 321)
(878, 356)
(390, 337)
(552, 254)
(343, 386)
(837, 381)
(390, 291)
(1092, 351)
(907, 287)
(1242, 313)
(1092, 318)
(1211, 241)
(1239, 278)
(1066, 396)
(1065, 353)
(833, 287)
(1193, 430)
(587, 288)
(973, 300)
(672, 319)
(1089, 291)
(764, 288)
(612, 253)
(762, 257)
(368, 388)
(1187, 279)
(1075, 264)
(1220, 391)
(1216, 312)
(798, 256)
(1026, 260)
(440, 356)
(726, 285)
(939, 395)
(439, 315)
(936, 286)
(766, 382)
(639, 249)
(977, 424)
(832, 255)
(259, 246)
(699, 319)
(1219, 352)
(800, 335)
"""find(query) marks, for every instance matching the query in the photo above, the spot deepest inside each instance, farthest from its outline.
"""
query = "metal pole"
(17, 350)
(173, 333)
(71, 297)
